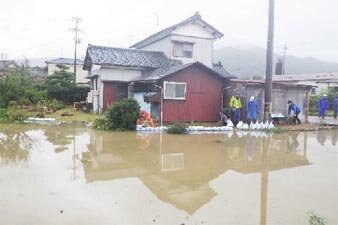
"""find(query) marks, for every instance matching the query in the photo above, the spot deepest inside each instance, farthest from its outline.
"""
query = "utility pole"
(284, 56)
(269, 61)
(76, 30)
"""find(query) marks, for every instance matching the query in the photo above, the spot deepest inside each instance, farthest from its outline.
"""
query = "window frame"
(171, 160)
(184, 52)
(174, 98)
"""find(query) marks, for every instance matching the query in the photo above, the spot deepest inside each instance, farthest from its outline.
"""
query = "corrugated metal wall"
(203, 97)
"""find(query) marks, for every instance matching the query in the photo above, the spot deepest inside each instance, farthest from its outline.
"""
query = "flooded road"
(70, 175)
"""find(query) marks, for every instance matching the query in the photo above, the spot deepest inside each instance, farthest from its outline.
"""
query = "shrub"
(177, 128)
(51, 105)
(122, 115)
(316, 220)
(3, 115)
(16, 114)
(101, 124)
(16, 85)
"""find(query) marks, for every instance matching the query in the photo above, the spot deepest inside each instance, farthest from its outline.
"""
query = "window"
(182, 49)
(172, 162)
(313, 91)
(174, 90)
(94, 84)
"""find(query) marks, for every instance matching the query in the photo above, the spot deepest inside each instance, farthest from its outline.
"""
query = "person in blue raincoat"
(296, 110)
(252, 110)
(335, 107)
(323, 105)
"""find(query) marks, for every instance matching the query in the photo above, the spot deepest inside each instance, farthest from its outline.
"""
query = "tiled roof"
(154, 65)
(64, 61)
(167, 31)
(304, 77)
(125, 57)
(174, 66)
(218, 67)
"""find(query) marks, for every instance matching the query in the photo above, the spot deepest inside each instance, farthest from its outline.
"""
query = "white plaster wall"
(203, 50)
(95, 66)
(100, 90)
(194, 30)
(163, 45)
(81, 75)
(116, 74)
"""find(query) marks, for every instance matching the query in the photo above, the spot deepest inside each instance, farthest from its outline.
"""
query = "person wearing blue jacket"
(296, 110)
(323, 105)
(335, 107)
(252, 110)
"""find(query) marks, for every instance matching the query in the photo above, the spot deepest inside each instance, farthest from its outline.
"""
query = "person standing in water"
(236, 106)
(296, 110)
(252, 110)
(323, 105)
(335, 107)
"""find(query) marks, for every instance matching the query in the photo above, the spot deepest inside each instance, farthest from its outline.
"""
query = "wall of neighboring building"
(203, 44)
(119, 74)
(80, 73)
(203, 50)
(202, 100)
(163, 45)
(280, 95)
(112, 92)
(193, 30)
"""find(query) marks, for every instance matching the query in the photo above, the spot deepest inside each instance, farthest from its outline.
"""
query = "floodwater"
(73, 175)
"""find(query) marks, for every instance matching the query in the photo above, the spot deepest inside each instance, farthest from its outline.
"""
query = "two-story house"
(171, 71)
(81, 74)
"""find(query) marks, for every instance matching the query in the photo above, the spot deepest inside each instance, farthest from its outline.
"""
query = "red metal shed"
(203, 95)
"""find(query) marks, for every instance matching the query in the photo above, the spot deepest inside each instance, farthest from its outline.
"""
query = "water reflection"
(60, 138)
(322, 136)
(188, 172)
(334, 137)
(15, 144)
(178, 169)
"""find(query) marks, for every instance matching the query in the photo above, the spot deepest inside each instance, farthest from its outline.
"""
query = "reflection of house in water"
(178, 169)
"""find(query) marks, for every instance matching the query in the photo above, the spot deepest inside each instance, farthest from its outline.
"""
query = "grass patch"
(77, 116)
(177, 128)
(316, 220)
(3, 115)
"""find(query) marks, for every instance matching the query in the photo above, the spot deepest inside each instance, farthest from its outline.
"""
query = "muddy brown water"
(74, 175)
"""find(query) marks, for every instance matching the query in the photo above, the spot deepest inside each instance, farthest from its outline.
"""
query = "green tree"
(61, 86)
(17, 86)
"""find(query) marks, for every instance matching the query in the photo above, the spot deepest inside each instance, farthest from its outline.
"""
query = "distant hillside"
(251, 61)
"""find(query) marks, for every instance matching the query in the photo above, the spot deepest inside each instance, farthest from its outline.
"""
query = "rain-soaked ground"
(72, 175)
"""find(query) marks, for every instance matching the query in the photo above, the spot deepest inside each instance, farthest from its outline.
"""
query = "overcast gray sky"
(39, 28)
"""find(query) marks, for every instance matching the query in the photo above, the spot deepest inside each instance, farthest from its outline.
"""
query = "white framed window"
(174, 90)
(182, 49)
(172, 162)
